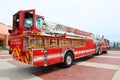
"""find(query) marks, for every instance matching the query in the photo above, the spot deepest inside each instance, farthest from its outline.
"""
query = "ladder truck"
(36, 42)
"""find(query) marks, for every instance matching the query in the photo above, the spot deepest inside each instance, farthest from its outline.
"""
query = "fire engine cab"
(36, 42)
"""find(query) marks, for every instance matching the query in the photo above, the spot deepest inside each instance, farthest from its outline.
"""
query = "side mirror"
(44, 23)
(43, 18)
(10, 31)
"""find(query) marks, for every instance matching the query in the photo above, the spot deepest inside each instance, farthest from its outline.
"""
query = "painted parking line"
(103, 56)
(5, 55)
(117, 75)
(8, 59)
(114, 52)
(99, 65)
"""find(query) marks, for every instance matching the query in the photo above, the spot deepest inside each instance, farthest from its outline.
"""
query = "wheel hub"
(69, 60)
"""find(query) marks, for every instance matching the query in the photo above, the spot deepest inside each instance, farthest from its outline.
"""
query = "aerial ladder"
(56, 29)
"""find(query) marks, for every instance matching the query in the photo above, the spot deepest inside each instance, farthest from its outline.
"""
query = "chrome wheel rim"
(69, 60)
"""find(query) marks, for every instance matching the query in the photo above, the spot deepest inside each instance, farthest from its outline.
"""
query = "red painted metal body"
(29, 46)
(16, 42)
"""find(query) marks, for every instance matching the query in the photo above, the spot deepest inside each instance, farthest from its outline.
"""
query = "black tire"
(68, 60)
(99, 52)
(105, 51)
(10, 52)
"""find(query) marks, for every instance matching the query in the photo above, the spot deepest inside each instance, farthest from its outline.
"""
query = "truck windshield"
(28, 22)
(38, 23)
(28, 19)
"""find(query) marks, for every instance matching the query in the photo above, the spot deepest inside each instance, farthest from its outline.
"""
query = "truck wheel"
(68, 60)
(99, 52)
(10, 52)
(105, 52)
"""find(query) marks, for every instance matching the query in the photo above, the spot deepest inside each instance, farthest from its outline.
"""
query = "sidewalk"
(11, 72)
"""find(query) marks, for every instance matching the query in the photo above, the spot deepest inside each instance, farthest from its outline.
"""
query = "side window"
(38, 23)
(16, 21)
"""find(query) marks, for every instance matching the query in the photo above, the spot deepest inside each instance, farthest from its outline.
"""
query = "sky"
(95, 16)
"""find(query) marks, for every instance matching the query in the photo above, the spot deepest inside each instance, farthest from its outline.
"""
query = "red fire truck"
(36, 42)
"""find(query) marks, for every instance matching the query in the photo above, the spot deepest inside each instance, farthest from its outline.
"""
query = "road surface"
(103, 67)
